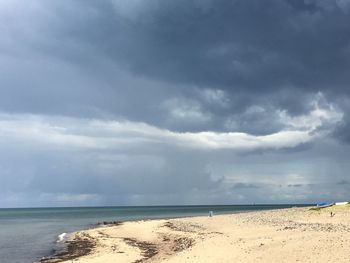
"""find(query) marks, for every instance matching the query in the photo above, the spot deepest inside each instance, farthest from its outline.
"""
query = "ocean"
(28, 234)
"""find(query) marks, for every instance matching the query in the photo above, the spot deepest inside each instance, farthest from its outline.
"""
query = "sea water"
(28, 234)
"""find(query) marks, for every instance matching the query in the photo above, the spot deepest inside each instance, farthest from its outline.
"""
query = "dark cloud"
(342, 131)
(295, 185)
(343, 182)
(244, 186)
(276, 54)
(239, 46)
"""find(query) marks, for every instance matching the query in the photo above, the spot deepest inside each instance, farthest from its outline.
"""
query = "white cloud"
(255, 109)
(243, 141)
(73, 133)
(77, 133)
(185, 110)
(322, 114)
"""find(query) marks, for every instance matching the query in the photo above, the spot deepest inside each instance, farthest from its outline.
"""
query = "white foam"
(61, 237)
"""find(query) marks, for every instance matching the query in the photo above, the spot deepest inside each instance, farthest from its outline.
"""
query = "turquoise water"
(27, 234)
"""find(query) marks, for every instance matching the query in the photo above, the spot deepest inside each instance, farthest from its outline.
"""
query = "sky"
(162, 102)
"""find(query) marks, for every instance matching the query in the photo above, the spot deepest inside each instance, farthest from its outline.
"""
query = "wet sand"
(284, 235)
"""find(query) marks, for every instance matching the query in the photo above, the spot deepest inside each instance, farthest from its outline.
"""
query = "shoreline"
(278, 235)
(74, 247)
(69, 244)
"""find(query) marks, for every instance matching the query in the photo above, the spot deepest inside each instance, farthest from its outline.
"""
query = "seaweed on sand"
(78, 247)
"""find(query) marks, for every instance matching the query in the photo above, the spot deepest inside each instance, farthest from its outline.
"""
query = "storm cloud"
(168, 102)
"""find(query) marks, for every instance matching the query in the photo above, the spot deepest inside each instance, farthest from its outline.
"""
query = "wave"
(61, 237)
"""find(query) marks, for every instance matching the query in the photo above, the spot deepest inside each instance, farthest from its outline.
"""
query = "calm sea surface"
(27, 234)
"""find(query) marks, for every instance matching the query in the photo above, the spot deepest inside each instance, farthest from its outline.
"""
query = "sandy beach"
(284, 235)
